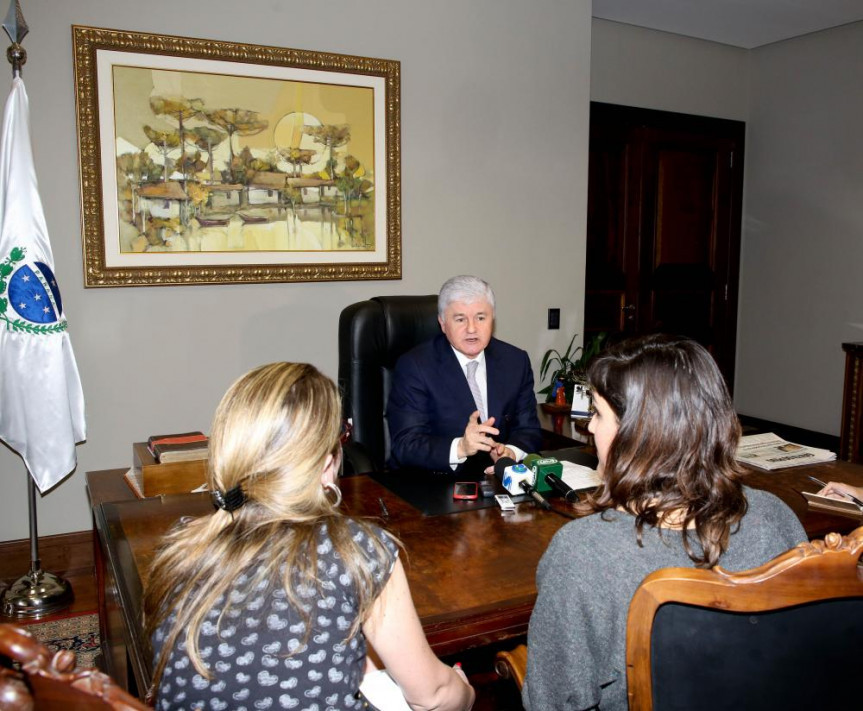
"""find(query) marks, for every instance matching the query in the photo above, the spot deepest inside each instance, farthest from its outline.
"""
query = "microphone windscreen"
(501, 464)
(511, 473)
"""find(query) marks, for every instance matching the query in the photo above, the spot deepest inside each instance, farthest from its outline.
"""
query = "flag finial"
(16, 27)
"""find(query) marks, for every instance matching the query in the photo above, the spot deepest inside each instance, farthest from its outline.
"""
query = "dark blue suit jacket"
(430, 402)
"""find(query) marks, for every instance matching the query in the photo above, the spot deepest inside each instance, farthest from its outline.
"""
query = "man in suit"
(464, 399)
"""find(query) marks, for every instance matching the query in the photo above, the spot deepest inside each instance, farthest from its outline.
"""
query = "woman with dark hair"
(672, 494)
(269, 601)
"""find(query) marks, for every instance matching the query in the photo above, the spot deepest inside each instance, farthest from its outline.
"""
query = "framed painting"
(208, 162)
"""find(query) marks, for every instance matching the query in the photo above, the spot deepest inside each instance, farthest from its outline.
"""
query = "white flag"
(41, 402)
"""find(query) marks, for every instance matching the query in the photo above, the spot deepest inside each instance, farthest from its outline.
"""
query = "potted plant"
(569, 369)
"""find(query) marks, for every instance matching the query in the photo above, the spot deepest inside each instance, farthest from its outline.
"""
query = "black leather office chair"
(373, 335)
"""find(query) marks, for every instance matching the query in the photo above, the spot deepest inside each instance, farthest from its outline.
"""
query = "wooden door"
(663, 226)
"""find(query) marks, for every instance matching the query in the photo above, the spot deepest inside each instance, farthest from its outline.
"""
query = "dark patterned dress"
(256, 653)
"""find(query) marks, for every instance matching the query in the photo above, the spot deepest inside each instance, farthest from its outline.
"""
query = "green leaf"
(17, 254)
(23, 326)
(568, 355)
(3, 305)
(547, 360)
(5, 269)
(571, 366)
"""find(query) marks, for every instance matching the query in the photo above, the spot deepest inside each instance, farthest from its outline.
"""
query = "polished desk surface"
(471, 574)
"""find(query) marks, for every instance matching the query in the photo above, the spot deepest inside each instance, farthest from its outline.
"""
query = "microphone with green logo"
(542, 467)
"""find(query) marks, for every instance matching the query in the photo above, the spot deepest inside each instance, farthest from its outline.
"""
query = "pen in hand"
(843, 493)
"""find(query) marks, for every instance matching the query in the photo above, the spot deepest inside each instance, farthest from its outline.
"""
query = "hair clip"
(231, 500)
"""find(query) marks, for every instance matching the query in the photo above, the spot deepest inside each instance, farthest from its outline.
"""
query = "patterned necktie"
(474, 389)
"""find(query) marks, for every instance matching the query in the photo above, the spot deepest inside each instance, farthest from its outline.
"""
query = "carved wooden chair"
(32, 677)
(786, 635)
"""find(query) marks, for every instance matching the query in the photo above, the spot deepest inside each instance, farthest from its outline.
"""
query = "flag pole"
(38, 592)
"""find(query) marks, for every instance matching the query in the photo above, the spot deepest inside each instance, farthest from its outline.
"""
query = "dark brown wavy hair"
(673, 455)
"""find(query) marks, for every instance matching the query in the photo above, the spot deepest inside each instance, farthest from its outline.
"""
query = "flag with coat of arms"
(41, 401)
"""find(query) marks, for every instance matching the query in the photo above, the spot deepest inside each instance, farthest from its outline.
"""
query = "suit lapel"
(492, 377)
(452, 376)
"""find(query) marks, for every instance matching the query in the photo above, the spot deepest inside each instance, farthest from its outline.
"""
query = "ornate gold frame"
(88, 42)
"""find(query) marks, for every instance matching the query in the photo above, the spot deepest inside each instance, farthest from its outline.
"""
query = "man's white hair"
(464, 288)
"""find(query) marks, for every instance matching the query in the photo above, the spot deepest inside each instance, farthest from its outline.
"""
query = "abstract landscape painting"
(276, 170)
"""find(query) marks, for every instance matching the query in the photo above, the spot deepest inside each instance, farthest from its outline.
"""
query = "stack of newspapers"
(768, 451)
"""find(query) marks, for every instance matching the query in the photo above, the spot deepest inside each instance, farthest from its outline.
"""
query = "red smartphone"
(465, 490)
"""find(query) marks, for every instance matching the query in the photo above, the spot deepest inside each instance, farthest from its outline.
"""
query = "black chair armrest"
(357, 459)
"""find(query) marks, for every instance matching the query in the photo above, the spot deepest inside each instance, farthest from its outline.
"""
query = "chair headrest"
(408, 321)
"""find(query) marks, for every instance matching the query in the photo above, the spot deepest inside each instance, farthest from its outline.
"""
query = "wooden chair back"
(512, 664)
(786, 635)
(33, 677)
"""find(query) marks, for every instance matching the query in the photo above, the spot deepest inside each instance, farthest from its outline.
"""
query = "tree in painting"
(180, 110)
(165, 141)
(354, 188)
(207, 139)
(134, 169)
(246, 164)
(330, 137)
(241, 122)
(297, 157)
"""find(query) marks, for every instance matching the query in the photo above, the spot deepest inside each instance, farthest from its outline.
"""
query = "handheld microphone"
(534, 494)
(511, 474)
(562, 488)
(542, 466)
(501, 464)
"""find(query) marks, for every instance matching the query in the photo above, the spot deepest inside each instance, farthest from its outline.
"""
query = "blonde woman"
(270, 601)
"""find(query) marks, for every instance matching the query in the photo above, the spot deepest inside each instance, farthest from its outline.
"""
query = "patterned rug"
(79, 633)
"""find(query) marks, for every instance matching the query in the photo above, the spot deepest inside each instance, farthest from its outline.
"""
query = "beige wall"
(634, 66)
(801, 291)
(495, 101)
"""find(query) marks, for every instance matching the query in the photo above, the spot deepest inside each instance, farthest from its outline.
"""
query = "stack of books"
(768, 451)
(168, 464)
(183, 447)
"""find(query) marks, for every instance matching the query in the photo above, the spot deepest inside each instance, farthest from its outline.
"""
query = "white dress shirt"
(482, 382)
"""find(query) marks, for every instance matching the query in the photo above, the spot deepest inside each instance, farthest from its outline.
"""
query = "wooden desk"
(471, 574)
(788, 483)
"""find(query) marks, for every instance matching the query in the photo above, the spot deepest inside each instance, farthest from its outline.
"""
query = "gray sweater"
(585, 581)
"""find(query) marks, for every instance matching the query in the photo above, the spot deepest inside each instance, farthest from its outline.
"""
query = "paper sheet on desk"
(382, 692)
(578, 476)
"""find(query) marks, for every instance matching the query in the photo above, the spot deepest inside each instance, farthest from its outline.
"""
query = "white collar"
(463, 360)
